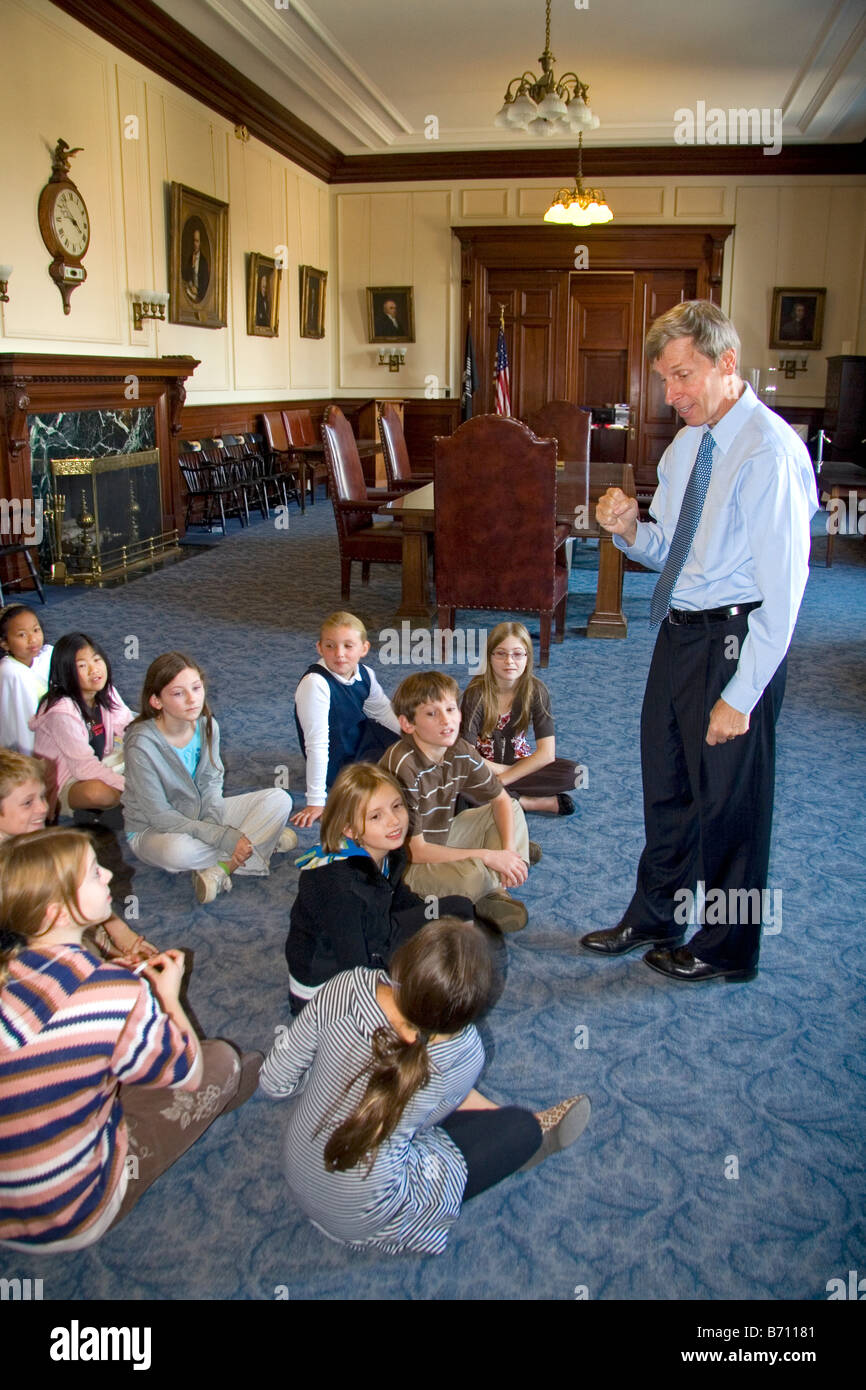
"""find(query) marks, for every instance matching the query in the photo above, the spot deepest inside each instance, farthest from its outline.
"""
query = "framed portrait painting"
(263, 296)
(198, 258)
(797, 319)
(390, 314)
(313, 284)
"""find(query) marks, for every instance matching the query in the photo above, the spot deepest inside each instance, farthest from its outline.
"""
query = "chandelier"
(543, 105)
(579, 206)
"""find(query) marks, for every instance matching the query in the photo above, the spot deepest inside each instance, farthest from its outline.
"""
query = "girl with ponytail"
(389, 1136)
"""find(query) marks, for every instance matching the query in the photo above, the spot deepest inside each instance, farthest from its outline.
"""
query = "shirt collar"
(725, 432)
(344, 680)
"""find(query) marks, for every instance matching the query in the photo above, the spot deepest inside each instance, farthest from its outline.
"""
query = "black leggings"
(494, 1143)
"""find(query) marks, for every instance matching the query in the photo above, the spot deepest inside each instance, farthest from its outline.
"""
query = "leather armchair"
(498, 544)
(355, 504)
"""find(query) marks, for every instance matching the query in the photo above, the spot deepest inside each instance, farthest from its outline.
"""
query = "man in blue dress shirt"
(730, 535)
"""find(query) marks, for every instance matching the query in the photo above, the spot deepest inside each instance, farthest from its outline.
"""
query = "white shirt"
(313, 703)
(21, 689)
(752, 542)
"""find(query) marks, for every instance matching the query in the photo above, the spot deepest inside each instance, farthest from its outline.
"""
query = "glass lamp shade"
(578, 114)
(541, 128)
(503, 117)
(523, 110)
(552, 107)
(558, 213)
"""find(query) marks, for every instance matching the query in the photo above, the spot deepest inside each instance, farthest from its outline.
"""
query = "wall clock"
(65, 224)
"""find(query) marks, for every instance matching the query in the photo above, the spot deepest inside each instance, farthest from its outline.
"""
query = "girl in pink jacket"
(79, 726)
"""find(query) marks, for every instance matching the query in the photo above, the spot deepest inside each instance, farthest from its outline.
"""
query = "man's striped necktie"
(687, 525)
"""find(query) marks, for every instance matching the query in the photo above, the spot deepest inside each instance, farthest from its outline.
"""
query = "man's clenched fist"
(618, 514)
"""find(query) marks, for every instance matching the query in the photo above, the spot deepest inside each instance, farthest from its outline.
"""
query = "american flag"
(502, 376)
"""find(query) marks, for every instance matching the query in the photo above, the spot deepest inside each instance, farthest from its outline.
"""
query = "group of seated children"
(388, 970)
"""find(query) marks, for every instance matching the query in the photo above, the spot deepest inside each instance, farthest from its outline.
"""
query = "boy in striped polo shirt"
(480, 853)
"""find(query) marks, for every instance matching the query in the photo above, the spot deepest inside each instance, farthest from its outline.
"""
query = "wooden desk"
(576, 496)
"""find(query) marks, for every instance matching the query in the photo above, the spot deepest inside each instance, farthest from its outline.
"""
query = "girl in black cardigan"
(352, 906)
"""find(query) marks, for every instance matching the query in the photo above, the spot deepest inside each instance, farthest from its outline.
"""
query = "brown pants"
(163, 1123)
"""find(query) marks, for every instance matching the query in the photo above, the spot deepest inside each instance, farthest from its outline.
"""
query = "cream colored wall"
(66, 81)
(788, 232)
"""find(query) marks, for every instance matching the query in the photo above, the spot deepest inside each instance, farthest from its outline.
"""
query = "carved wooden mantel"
(41, 384)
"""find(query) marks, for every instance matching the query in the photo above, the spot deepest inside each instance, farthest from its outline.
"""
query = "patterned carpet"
(724, 1158)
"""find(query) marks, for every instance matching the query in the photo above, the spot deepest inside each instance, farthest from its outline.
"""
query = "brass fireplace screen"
(105, 516)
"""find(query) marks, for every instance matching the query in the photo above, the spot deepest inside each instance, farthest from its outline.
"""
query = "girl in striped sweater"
(389, 1136)
(72, 1029)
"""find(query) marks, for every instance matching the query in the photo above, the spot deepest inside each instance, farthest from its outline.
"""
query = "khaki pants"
(474, 829)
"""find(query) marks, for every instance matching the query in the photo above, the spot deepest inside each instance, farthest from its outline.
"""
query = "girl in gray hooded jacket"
(175, 814)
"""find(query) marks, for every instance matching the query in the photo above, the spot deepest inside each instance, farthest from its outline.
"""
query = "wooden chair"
(211, 486)
(305, 447)
(401, 475)
(355, 504)
(497, 541)
(568, 425)
(266, 487)
(9, 547)
(280, 459)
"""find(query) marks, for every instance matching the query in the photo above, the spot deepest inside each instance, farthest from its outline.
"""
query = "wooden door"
(536, 307)
(654, 422)
(599, 348)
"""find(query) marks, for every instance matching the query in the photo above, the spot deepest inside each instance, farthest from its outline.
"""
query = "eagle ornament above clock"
(65, 224)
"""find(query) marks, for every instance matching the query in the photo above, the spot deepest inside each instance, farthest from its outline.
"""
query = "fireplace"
(57, 408)
(104, 517)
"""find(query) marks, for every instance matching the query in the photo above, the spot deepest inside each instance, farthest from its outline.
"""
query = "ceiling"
(367, 74)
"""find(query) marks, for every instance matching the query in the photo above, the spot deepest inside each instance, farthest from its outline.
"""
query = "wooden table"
(837, 481)
(576, 495)
(310, 456)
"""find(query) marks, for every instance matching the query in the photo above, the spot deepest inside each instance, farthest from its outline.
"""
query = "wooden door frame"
(639, 248)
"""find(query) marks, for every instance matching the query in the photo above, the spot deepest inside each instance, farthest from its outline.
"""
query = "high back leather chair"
(355, 504)
(496, 533)
(402, 477)
(568, 425)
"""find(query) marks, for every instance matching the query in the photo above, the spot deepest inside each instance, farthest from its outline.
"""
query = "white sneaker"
(288, 840)
(208, 883)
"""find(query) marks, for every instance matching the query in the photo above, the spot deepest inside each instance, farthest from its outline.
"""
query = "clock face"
(70, 223)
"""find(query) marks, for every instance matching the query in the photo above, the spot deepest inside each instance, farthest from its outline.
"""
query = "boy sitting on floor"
(480, 852)
(342, 713)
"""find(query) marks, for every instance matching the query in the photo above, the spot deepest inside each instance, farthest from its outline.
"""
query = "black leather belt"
(680, 616)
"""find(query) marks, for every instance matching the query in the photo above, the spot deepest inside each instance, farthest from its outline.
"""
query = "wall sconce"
(790, 366)
(5, 277)
(147, 304)
(242, 134)
(392, 358)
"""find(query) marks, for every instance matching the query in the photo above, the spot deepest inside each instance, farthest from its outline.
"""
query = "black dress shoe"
(617, 941)
(680, 964)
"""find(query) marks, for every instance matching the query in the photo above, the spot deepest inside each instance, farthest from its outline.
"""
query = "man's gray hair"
(711, 331)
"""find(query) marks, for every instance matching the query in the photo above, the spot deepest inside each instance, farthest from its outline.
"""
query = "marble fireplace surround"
(45, 384)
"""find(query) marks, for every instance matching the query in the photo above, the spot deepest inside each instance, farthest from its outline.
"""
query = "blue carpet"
(724, 1155)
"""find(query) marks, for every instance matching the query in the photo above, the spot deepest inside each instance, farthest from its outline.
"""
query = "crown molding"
(147, 34)
(601, 162)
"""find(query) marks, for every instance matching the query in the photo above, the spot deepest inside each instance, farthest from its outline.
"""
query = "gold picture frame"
(198, 258)
(797, 319)
(395, 325)
(263, 296)
(313, 288)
